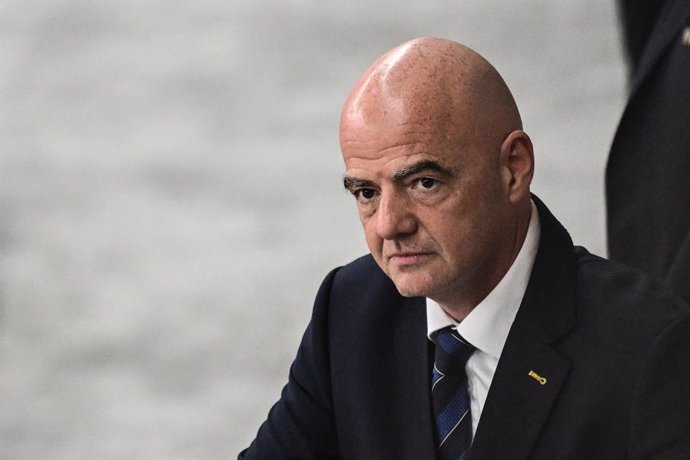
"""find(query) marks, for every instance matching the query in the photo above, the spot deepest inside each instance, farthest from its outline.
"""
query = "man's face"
(434, 206)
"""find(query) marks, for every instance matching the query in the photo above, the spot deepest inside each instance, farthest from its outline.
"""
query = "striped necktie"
(449, 395)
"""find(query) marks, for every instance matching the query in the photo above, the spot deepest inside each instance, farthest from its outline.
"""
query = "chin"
(408, 286)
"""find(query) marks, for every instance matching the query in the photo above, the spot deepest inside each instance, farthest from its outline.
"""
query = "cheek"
(452, 233)
(374, 241)
(442, 224)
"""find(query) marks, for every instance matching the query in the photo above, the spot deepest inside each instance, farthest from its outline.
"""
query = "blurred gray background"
(170, 195)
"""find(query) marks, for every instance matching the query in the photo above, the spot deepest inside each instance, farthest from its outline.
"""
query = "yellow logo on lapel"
(686, 36)
(537, 377)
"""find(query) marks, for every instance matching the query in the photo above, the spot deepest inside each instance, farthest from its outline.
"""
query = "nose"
(395, 217)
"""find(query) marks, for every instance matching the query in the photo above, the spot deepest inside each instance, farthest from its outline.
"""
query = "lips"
(408, 258)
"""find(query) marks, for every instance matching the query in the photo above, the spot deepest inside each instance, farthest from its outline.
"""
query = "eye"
(364, 194)
(426, 183)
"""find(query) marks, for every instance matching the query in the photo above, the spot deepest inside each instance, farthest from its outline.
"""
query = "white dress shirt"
(486, 327)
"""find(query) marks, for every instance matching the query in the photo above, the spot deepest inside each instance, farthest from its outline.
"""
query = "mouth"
(406, 259)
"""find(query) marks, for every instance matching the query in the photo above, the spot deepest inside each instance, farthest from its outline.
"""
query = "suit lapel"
(666, 30)
(531, 371)
(519, 400)
(414, 381)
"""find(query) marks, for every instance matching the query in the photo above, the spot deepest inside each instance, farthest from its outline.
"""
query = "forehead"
(384, 148)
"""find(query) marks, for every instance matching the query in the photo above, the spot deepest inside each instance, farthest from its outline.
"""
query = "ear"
(517, 165)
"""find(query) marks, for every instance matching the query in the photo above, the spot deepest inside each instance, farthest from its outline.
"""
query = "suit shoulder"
(360, 285)
(624, 295)
(365, 263)
(361, 273)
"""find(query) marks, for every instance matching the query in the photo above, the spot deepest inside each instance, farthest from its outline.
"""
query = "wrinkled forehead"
(384, 145)
(414, 129)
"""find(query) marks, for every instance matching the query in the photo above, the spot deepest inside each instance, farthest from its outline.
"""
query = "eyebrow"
(352, 183)
(430, 165)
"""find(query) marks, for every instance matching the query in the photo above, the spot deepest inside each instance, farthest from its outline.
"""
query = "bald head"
(433, 82)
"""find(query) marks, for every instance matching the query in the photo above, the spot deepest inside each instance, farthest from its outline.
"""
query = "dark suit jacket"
(637, 20)
(614, 348)
(648, 171)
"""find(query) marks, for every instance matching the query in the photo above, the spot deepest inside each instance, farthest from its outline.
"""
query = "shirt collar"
(486, 327)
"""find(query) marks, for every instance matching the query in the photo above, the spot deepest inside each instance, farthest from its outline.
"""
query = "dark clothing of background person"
(648, 171)
(636, 20)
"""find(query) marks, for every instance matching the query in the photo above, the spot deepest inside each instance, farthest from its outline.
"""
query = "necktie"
(449, 395)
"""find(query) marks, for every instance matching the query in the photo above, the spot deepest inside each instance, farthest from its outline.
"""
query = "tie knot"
(452, 352)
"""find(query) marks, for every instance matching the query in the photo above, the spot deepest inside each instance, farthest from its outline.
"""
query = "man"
(647, 188)
(564, 355)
